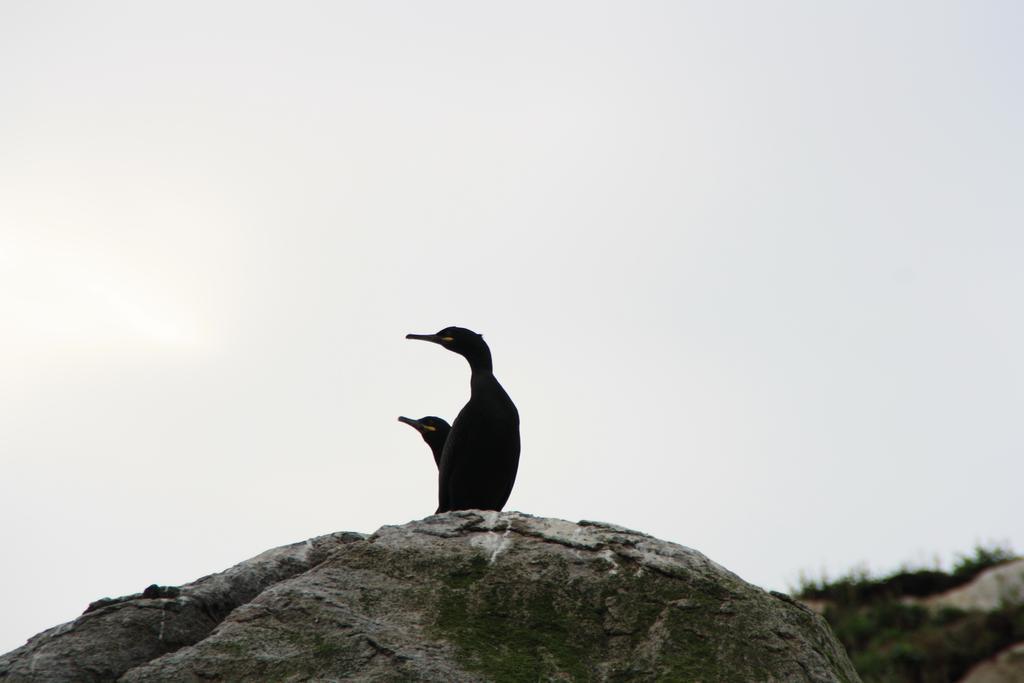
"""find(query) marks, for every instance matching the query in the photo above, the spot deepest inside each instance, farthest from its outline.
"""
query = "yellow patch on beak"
(447, 339)
(429, 428)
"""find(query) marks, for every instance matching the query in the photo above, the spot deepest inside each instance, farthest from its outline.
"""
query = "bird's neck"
(481, 381)
(480, 361)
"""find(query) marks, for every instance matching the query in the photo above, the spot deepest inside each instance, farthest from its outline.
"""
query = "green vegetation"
(970, 566)
(892, 640)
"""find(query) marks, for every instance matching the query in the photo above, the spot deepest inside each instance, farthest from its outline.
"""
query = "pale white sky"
(751, 272)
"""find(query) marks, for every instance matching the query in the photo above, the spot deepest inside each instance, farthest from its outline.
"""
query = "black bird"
(481, 456)
(434, 431)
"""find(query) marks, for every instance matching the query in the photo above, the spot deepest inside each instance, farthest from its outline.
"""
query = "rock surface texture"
(462, 596)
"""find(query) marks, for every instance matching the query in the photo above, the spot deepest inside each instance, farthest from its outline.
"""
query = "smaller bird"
(434, 431)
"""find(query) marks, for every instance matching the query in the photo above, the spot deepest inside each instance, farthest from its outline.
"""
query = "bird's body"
(481, 455)
(434, 431)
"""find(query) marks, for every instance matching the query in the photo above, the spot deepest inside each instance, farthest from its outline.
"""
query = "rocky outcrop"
(1006, 667)
(994, 588)
(989, 590)
(463, 596)
(115, 635)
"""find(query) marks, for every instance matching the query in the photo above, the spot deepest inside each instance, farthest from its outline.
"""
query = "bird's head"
(433, 429)
(466, 343)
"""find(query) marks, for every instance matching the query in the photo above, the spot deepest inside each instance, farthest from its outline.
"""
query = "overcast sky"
(752, 273)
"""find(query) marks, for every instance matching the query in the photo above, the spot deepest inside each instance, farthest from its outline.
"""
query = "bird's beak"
(436, 338)
(415, 424)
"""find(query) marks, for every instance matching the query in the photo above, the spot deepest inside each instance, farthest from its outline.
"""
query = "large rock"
(463, 596)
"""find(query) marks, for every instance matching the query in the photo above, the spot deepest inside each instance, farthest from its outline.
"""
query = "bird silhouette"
(480, 458)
